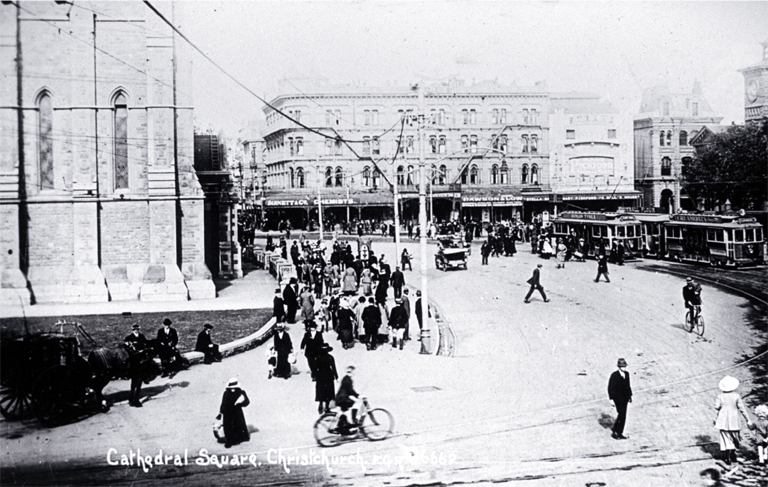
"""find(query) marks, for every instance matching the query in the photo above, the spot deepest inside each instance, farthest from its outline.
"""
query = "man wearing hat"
(291, 299)
(692, 296)
(371, 323)
(136, 343)
(417, 310)
(620, 392)
(206, 346)
(398, 320)
(325, 378)
(397, 281)
(167, 339)
(535, 283)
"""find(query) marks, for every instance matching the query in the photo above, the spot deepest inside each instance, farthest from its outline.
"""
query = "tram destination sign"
(697, 218)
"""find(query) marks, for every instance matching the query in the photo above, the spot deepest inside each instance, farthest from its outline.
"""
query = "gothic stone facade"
(98, 195)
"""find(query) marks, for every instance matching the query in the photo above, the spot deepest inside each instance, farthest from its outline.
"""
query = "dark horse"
(121, 363)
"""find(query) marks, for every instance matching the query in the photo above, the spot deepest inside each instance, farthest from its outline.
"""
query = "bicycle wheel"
(322, 430)
(688, 322)
(377, 424)
(700, 325)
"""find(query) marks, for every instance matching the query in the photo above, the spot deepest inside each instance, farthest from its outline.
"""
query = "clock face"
(752, 90)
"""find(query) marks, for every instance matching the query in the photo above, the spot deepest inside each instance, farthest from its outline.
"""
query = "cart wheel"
(59, 395)
(15, 400)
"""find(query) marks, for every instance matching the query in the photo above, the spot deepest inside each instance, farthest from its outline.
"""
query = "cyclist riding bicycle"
(692, 297)
(348, 399)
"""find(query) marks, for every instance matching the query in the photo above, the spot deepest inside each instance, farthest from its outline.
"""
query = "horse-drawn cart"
(45, 374)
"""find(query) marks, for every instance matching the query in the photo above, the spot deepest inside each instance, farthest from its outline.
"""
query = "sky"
(614, 49)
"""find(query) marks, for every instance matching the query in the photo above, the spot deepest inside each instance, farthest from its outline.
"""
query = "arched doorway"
(668, 201)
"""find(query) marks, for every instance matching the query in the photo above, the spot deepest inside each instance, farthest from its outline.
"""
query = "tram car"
(602, 232)
(720, 240)
(652, 232)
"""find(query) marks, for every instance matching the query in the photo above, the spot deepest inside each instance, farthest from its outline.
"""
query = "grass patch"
(110, 330)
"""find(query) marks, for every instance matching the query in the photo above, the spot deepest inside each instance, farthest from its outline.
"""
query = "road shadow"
(707, 445)
(757, 319)
(679, 326)
(605, 420)
(147, 392)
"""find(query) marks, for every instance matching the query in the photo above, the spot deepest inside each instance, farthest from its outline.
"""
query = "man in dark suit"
(206, 346)
(602, 268)
(167, 339)
(136, 343)
(398, 281)
(290, 298)
(398, 320)
(620, 392)
(535, 283)
(417, 310)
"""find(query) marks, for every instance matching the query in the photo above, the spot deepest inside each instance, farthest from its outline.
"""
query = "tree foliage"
(732, 166)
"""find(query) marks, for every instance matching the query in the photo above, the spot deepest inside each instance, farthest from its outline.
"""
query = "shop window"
(45, 140)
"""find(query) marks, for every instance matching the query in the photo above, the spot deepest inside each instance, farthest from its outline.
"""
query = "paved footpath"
(524, 398)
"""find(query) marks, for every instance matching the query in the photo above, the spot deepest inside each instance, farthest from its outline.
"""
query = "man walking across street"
(311, 344)
(602, 268)
(407, 307)
(535, 282)
(620, 392)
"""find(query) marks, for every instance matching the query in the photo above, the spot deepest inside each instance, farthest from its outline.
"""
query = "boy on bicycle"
(692, 297)
(347, 398)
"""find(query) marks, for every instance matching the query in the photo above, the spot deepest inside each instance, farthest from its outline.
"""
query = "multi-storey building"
(662, 130)
(98, 196)
(223, 254)
(756, 88)
(591, 157)
(487, 151)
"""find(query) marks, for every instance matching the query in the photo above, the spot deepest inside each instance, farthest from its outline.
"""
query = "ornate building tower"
(756, 88)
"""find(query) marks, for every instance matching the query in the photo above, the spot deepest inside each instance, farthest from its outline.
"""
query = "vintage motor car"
(450, 258)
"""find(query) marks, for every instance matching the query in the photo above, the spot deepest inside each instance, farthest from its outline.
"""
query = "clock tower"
(756, 88)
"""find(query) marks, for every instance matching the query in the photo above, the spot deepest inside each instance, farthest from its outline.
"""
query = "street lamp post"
(319, 203)
(422, 214)
(397, 215)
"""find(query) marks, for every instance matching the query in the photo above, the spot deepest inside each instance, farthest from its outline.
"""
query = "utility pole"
(423, 213)
(319, 204)
(397, 215)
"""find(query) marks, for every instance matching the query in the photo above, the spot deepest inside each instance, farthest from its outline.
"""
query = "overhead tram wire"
(243, 86)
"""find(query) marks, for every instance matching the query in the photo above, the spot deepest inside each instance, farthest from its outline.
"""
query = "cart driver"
(135, 342)
(692, 296)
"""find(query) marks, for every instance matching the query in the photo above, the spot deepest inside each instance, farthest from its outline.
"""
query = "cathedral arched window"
(121, 141)
(45, 140)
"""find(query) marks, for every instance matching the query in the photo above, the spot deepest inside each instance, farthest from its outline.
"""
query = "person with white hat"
(620, 392)
(231, 411)
(728, 405)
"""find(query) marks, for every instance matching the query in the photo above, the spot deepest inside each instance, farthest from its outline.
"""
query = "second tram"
(602, 232)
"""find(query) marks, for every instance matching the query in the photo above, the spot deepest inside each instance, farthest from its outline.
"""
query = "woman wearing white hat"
(231, 410)
(729, 405)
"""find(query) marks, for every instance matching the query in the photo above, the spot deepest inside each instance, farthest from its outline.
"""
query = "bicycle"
(695, 322)
(374, 424)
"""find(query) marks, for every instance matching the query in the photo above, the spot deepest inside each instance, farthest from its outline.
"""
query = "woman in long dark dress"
(283, 348)
(346, 325)
(233, 420)
(326, 375)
